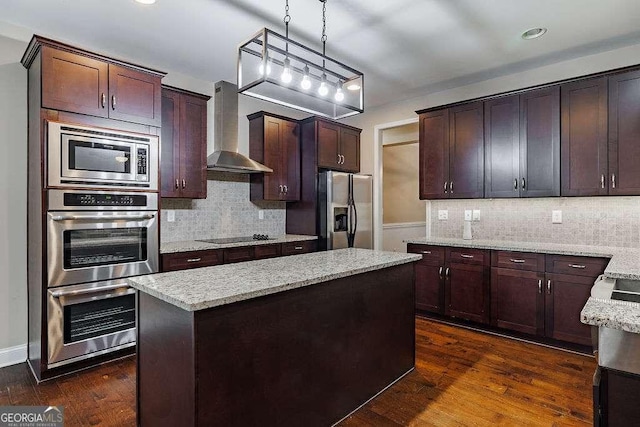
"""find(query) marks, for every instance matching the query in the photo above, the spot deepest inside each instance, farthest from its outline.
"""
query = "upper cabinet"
(502, 147)
(452, 152)
(183, 144)
(275, 142)
(338, 146)
(79, 82)
(584, 138)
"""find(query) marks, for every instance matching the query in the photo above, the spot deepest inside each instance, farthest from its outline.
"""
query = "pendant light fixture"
(278, 69)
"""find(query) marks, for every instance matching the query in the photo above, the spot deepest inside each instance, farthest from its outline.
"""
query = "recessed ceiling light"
(353, 86)
(534, 33)
(146, 1)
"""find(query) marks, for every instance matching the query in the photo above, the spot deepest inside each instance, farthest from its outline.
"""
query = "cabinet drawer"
(239, 254)
(578, 266)
(431, 255)
(468, 256)
(193, 259)
(266, 251)
(293, 248)
(517, 260)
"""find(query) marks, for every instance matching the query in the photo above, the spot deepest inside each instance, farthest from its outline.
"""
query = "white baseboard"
(13, 355)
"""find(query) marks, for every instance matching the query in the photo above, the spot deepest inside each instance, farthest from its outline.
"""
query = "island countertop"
(197, 245)
(208, 287)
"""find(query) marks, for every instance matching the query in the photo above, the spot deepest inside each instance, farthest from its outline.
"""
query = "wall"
(394, 235)
(13, 212)
(401, 202)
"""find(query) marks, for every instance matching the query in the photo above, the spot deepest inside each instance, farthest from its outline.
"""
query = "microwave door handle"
(61, 293)
(99, 217)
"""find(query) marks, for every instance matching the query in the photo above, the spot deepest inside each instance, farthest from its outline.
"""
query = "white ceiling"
(404, 47)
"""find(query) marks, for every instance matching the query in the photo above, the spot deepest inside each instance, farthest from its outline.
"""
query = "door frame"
(377, 181)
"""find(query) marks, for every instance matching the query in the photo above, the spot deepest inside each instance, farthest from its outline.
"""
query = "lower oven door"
(89, 320)
(90, 246)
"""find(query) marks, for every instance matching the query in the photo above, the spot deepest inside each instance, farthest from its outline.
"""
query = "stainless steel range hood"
(226, 158)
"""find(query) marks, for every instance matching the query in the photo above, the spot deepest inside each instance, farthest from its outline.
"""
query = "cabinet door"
(466, 292)
(517, 300)
(540, 142)
(565, 295)
(434, 155)
(74, 83)
(170, 145)
(584, 138)
(624, 134)
(273, 150)
(290, 163)
(193, 147)
(466, 151)
(502, 147)
(328, 145)
(350, 150)
(134, 96)
(429, 288)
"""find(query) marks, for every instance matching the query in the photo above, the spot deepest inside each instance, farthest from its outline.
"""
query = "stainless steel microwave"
(86, 157)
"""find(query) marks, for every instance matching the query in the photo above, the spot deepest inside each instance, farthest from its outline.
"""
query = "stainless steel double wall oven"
(101, 227)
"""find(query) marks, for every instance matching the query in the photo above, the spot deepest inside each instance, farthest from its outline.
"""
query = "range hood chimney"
(225, 157)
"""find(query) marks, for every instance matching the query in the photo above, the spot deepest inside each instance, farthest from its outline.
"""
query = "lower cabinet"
(429, 279)
(612, 402)
(517, 301)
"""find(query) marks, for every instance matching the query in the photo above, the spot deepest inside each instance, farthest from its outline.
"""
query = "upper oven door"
(90, 246)
(90, 157)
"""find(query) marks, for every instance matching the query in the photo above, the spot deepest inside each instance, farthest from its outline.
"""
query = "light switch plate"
(476, 214)
(556, 217)
(260, 214)
(467, 215)
(443, 214)
(171, 216)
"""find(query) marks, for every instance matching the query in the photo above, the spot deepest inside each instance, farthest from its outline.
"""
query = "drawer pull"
(466, 256)
(194, 259)
(298, 248)
(577, 266)
(426, 252)
(517, 261)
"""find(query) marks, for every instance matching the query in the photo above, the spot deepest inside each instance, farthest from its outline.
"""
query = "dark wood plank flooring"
(462, 378)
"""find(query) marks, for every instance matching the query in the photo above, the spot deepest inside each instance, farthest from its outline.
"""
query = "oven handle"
(100, 217)
(58, 294)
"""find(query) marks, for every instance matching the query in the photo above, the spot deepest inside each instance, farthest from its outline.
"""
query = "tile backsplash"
(601, 221)
(226, 212)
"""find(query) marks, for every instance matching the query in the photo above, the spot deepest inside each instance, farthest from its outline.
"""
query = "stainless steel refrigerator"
(345, 210)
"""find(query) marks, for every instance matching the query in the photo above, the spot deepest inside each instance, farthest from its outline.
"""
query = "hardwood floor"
(462, 378)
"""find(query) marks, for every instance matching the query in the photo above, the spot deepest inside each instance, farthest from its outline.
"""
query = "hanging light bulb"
(339, 96)
(261, 67)
(323, 90)
(286, 72)
(306, 81)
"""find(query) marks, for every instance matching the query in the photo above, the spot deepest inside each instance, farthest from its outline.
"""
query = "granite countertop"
(613, 314)
(202, 288)
(624, 263)
(193, 245)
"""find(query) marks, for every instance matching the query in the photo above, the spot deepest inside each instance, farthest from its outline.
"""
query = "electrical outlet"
(260, 214)
(556, 217)
(476, 214)
(467, 215)
(171, 216)
(443, 214)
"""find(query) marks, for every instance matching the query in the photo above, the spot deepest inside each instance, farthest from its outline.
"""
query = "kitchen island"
(299, 340)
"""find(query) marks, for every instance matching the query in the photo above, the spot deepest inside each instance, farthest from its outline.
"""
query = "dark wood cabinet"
(624, 134)
(502, 147)
(612, 405)
(338, 146)
(452, 153)
(80, 83)
(467, 284)
(429, 279)
(565, 297)
(275, 142)
(296, 248)
(517, 300)
(183, 144)
(191, 259)
(584, 138)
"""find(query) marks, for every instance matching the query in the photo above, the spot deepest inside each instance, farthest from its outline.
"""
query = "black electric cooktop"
(224, 240)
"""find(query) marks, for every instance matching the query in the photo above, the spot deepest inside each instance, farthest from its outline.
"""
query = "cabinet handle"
(184, 183)
(338, 159)
(286, 189)
(104, 100)
(446, 272)
(602, 181)
(466, 256)
(451, 187)
(113, 102)
(177, 183)
(194, 259)
(298, 248)
(539, 286)
(281, 188)
(426, 252)
(613, 180)
(440, 273)
(517, 261)
(577, 266)
(549, 287)
(515, 184)
(445, 187)
(524, 184)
